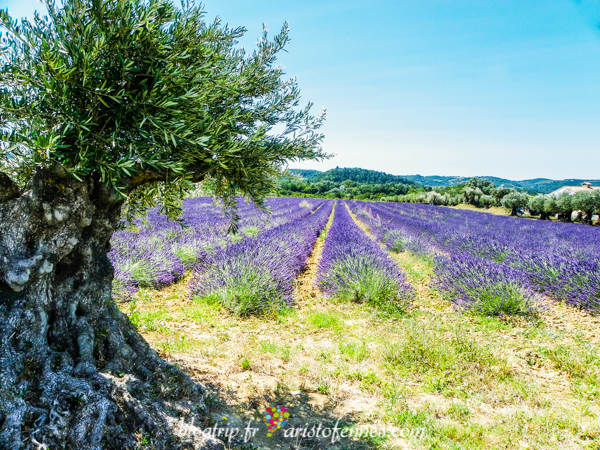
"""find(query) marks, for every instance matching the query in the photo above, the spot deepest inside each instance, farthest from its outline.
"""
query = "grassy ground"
(468, 381)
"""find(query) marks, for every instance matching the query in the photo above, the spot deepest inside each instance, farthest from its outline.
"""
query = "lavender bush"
(354, 268)
(487, 287)
(256, 275)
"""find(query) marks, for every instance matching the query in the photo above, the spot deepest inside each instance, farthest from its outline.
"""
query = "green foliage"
(537, 203)
(486, 186)
(354, 351)
(367, 284)
(476, 191)
(501, 192)
(588, 202)
(487, 200)
(448, 358)
(358, 184)
(514, 201)
(564, 205)
(582, 364)
(246, 364)
(324, 320)
(149, 98)
(307, 174)
(550, 205)
(142, 272)
(347, 189)
(247, 292)
(504, 299)
(472, 195)
(189, 254)
(251, 231)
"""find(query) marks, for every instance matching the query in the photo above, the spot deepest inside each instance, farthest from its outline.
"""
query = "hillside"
(535, 185)
(361, 176)
(306, 174)
(442, 181)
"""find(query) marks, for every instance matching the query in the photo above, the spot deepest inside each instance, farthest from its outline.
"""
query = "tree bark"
(74, 372)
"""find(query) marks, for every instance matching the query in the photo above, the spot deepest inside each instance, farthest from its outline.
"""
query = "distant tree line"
(483, 193)
(346, 189)
(345, 183)
(479, 192)
(581, 206)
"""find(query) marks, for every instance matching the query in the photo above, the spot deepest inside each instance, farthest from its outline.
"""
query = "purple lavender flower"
(353, 267)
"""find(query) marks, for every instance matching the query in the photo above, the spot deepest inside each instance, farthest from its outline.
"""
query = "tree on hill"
(361, 176)
(486, 186)
(110, 106)
(306, 174)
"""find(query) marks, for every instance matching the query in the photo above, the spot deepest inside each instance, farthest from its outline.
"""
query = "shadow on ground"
(309, 426)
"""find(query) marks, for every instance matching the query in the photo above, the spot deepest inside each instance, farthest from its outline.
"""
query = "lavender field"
(480, 329)
(491, 264)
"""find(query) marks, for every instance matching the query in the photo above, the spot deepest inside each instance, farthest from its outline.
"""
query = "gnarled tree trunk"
(74, 372)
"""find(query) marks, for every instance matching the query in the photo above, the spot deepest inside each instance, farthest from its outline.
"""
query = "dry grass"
(493, 210)
(469, 381)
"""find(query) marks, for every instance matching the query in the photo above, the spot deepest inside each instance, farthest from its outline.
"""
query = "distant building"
(586, 186)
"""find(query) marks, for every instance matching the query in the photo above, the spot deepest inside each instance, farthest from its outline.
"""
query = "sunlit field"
(478, 329)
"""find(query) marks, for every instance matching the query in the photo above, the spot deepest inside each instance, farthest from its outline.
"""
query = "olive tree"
(565, 207)
(550, 205)
(486, 201)
(588, 203)
(537, 205)
(483, 184)
(472, 195)
(500, 192)
(434, 198)
(514, 201)
(108, 107)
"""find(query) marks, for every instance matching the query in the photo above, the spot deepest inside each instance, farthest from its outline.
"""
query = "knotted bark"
(74, 372)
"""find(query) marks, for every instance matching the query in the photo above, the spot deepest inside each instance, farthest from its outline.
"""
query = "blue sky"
(441, 87)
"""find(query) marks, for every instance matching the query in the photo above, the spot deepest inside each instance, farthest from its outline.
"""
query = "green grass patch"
(142, 272)
(179, 344)
(445, 360)
(354, 351)
(582, 363)
(324, 320)
(203, 312)
(150, 321)
(246, 290)
(251, 231)
(283, 351)
(505, 299)
(188, 254)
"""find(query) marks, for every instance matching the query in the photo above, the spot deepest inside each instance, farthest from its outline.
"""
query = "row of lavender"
(155, 251)
(482, 260)
(353, 267)
(257, 275)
